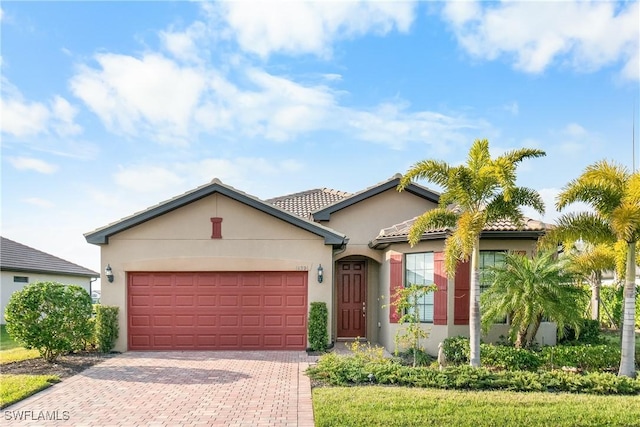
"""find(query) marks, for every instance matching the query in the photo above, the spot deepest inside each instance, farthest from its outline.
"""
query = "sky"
(108, 108)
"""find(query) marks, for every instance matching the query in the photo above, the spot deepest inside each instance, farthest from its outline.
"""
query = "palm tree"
(588, 264)
(528, 290)
(481, 191)
(614, 194)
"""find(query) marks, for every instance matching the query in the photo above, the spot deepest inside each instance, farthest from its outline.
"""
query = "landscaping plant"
(481, 191)
(529, 290)
(318, 319)
(406, 303)
(50, 317)
(106, 327)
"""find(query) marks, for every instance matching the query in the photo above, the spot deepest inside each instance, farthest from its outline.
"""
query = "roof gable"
(101, 235)
(15, 256)
(324, 214)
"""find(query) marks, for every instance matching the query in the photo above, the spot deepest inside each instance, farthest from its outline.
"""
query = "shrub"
(106, 327)
(345, 370)
(509, 358)
(456, 350)
(50, 317)
(589, 334)
(318, 320)
(584, 357)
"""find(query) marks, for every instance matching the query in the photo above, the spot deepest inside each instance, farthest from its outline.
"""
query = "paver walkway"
(204, 388)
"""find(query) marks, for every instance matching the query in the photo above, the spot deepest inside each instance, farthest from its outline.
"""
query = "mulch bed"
(64, 367)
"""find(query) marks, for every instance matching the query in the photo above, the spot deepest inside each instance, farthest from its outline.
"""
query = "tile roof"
(401, 230)
(306, 202)
(18, 257)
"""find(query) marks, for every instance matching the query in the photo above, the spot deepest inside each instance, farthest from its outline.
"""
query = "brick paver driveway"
(213, 388)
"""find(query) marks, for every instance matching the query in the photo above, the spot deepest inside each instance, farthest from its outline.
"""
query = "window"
(489, 259)
(419, 271)
(20, 279)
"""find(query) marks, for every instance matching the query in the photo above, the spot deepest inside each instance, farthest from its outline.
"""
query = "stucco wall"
(363, 221)
(181, 241)
(8, 287)
(387, 330)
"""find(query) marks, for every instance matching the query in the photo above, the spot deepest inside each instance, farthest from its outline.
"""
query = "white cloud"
(394, 125)
(36, 201)
(292, 27)
(150, 95)
(23, 118)
(64, 114)
(585, 35)
(180, 102)
(185, 45)
(29, 163)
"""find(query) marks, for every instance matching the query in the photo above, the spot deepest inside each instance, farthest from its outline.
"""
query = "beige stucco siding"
(180, 240)
(9, 286)
(387, 330)
(362, 221)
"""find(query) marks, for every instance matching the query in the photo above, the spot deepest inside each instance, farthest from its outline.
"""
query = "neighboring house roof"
(15, 256)
(101, 235)
(324, 214)
(305, 202)
(529, 228)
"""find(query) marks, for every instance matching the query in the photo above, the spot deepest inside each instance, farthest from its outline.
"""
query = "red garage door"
(217, 311)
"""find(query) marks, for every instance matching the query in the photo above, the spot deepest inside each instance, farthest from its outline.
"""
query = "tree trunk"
(521, 338)
(595, 295)
(474, 307)
(534, 330)
(627, 360)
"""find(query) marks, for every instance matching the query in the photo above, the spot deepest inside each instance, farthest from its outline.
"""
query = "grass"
(14, 388)
(11, 351)
(17, 387)
(400, 406)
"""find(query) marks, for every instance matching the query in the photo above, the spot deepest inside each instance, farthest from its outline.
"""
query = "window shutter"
(461, 294)
(440, 296)
(395, 282)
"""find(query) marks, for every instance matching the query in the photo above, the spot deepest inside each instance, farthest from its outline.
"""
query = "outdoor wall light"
(320, 273)
(109, 273)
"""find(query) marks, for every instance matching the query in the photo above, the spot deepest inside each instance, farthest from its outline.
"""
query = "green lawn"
(17, 387)
(6, 342)
(399, 406)
(14, 388)
(10, 351)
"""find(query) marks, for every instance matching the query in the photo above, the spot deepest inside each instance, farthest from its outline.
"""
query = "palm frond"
(576, 225)
(435, 171)
(434, 219)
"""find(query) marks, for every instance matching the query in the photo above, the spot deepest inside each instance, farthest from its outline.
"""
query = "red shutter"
(395, 283)
(461, 294)
(440, 296)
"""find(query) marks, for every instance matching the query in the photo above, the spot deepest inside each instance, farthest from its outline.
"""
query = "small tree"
(318, 319)
(530, 289)
(50, 317)
(106, 327)
(406, 303)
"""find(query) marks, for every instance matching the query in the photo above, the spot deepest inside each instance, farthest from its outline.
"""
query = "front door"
(352, 286)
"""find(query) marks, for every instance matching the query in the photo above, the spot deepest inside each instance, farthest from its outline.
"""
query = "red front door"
(352, 287)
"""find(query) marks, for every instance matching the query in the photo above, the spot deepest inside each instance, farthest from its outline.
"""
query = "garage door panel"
(206, 320)
(217, 310)
(229, 301)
